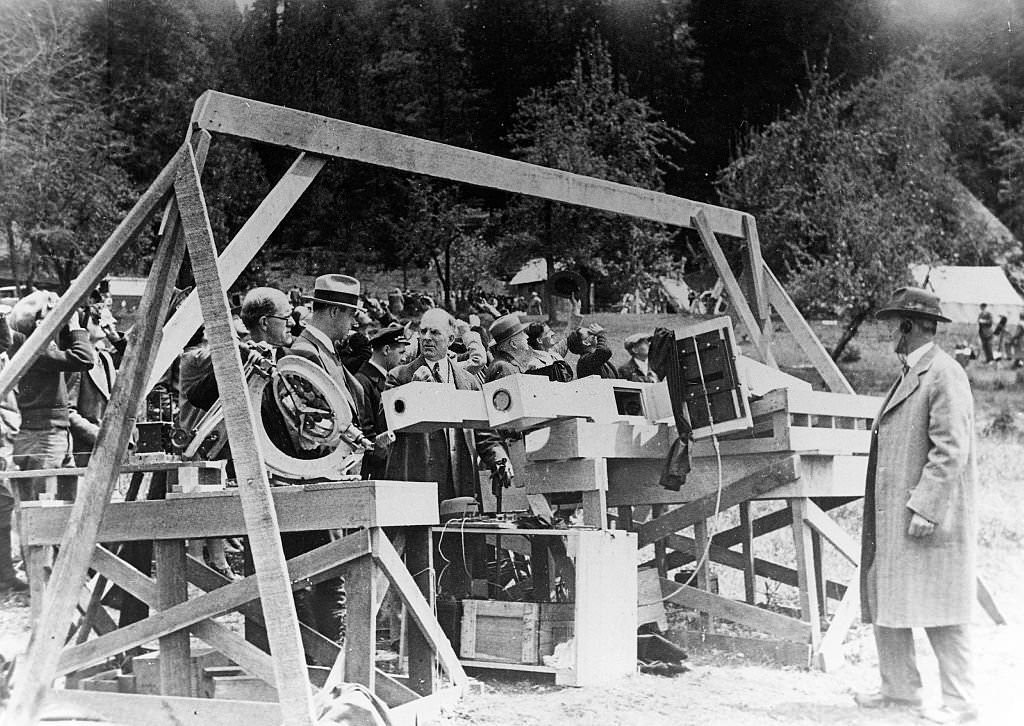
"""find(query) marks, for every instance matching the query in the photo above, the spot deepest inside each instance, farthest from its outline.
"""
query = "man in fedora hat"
(512, 351)
(918, 543)
(334, 303)
(387, 347)
(638, 368)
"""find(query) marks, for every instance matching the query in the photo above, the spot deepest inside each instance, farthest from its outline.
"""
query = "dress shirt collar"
(320, 336)
(915, 356)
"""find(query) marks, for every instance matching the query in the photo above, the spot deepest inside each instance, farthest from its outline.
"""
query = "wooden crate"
(502, 632)
(555, 624)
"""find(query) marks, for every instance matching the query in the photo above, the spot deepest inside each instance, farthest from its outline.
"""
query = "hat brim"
(313, 298)
(888, 313)
(520, 327)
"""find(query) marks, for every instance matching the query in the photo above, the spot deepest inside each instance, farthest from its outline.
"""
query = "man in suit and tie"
(387, 346)
(447, 456)
(920, 520)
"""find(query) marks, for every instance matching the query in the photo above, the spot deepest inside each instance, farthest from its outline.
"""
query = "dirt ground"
(722, 688)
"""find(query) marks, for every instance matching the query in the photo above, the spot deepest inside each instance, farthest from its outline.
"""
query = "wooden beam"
(172, 589)
(759, 302)
(360, 622)
(405, 586)
(237, 255)
(988, 603)
(830, 530)
(250, 658)
(749, 564)
(737, 299)
(752, 485)
(249, 119)
(805, 569)
(766, 621)
(305, 567)
(121, 573)
(76, 550)
(830, 650)
(90, 276)
(129, 708)
(257, 504)
(804, 336)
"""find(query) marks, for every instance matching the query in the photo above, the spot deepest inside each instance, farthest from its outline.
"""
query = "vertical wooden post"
(37, 561)
(172, 588)
(700, 536)
(254, 487)
(805, 569)
(419, 559)
(76, 549)
(819, 574)
(360, 621)
(595, 508)
(660, 549)
(747, 543)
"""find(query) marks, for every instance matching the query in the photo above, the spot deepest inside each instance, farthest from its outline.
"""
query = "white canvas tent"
(963, 289)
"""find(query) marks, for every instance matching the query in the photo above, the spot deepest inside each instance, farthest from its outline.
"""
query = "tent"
(963, 289)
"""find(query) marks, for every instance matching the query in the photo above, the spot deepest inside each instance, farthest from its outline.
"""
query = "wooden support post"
(805, 569)
(660, 549)
(988, 604)
(749, 570)
(736, 297)
(700, 536)
(419, 558)
(625, 518)
(360, 622)
(237, 255)
(44, 651)
(85, 624)
(254, 487)
(830, 651)
(37, 566)
(804, 336)
(759, 299)
(172, 588)
(819, 574)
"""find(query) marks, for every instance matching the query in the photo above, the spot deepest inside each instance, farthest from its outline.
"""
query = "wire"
(704, 556)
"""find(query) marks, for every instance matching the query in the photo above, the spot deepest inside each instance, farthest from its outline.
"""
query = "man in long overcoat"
(918, 546)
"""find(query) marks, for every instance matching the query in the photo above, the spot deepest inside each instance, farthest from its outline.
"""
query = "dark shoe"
(948, 714)
(876, 699)
(13, 584)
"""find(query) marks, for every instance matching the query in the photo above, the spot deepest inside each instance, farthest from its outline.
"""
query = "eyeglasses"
(279, 317)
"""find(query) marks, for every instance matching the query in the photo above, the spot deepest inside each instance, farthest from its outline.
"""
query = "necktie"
(436, 372)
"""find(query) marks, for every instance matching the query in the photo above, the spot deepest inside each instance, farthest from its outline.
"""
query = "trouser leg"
(952, 646)
(897, 663)
(6, 508)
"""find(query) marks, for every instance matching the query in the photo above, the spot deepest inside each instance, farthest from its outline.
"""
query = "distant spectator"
(1015, 342)
(536, 305)
(985, 331)
(591, 345)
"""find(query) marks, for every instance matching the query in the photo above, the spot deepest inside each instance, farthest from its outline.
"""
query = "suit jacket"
(88, 396)
(426, 456)
(307, 346)
(921, 460)
(631, 372)
(598, 361)
(372, 379)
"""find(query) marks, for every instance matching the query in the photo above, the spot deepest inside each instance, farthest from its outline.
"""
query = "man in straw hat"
(918, 545)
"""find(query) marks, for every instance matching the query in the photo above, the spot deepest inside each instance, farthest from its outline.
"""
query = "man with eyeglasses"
(266, 312)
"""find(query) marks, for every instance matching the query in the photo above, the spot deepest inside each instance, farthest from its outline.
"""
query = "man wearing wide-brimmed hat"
(918, 544)
(334, 302)
(512, 351)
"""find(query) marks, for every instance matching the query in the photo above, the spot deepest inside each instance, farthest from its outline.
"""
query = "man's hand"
(919, 526)
(595, 328)
(74, 323)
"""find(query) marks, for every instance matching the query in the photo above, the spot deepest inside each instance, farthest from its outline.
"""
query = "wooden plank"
(360, 622)
(988, 603)
(829, 656)
(759, 298)
(90, 276)
(830, 530)
(752, 485)
(237, 255)
(422, 613)
(756, 650)
(738, 612)
(37, 568)
(805, 569)
(172, 589)
(605, 617)
(748, 565)
(40, 665)
(737, 299)
(164, 710)
(573, 475)
(700, 537)
(253, 660)
(355, 505)
(322, 560)
(235, 116)
(125, 468)
(88, 620)
(125, 575)
(804, 336)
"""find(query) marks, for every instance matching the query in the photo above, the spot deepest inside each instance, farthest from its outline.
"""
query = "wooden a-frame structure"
(177, 194)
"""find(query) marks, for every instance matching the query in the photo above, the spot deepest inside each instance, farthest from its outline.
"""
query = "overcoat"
(921, 460)
(426, 456)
